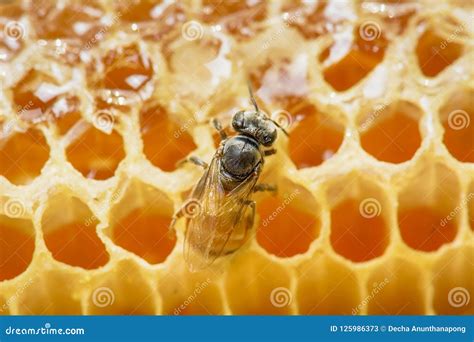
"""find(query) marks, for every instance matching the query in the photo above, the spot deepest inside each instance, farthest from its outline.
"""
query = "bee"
(219, 210)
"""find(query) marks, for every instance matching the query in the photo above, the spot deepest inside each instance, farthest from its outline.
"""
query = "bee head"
(256, 125)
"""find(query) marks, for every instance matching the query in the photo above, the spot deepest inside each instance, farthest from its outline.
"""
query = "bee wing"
(220, 214)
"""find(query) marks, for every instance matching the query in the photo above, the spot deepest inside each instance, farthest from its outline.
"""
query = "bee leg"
(265, 187)
(218, 126)
(193, 159)
(269, 152)
(177, 215)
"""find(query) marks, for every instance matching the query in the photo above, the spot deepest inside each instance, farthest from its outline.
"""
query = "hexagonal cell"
(125, 291)
(96, 154)
(366, 52)
(391, 133)
(185, 293)
(23, 155)
(39, 97)
(70, 233)
(17, 244)
(388, 293)
(50, 292)
(165, 140)
(239, 18)
(289, 222)
(140, 223)
(314, 136)
(429, 207)
(360, 213)
(453, 282)
(435, 52)
(326, 287)
(270, 295)
(457, 117)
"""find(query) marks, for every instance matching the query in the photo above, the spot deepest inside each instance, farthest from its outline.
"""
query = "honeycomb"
(100, 100)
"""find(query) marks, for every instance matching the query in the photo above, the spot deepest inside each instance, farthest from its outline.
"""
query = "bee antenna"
(280, 127)
(252, 98)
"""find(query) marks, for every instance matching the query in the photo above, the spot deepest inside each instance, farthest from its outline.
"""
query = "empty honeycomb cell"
(96, 154)
(165, 140)
(314, 136)
(70, 233)
(428, 217)
(359, 217)
(391, 133)
(125, 291)
(366, 53)
(395, 288)
(453, 282)
(23, 155)
(326, 287)
(35, 296)
(457, 116)
(255, 285)
(186, 293)
(17, 244)
(289, 222)
(435, 53)
(140, 223)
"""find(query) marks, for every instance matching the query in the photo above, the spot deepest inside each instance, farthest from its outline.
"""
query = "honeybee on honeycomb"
(373, 211)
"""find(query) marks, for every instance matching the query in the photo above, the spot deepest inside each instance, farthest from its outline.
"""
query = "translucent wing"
(221, 215)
